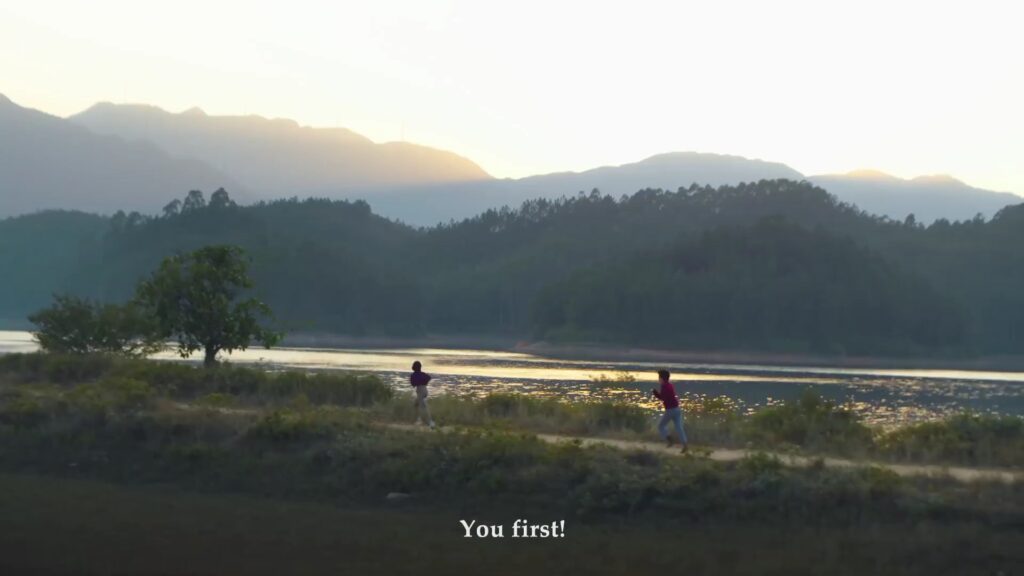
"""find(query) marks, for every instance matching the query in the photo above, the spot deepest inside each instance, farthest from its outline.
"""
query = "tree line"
(771, 265)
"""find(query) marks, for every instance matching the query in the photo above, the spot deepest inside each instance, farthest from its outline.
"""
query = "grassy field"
(80, 527)
(110, 466)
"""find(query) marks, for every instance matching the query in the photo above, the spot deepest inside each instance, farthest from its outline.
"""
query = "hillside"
(41, 254)
(593, 267)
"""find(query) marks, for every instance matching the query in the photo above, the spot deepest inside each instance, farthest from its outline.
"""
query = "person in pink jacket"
(667, 394)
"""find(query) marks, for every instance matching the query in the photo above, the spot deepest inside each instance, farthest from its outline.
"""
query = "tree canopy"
(197, 298)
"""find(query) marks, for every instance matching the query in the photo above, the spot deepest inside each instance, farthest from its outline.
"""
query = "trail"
(718, 454)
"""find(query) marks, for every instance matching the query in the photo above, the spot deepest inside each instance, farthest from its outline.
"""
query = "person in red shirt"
(673, 413)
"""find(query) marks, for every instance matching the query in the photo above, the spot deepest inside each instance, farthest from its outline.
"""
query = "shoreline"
(597, 353)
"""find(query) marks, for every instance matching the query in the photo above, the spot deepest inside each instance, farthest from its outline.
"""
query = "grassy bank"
(39, 387)
(237, 470)
(808, 425)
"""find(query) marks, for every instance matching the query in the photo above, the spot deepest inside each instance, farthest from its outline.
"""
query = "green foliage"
(56, 368)
(220, 386)
(714, 420)
(326, 388)
(773, 286)
(296, 426)
(24, 408)
(110, 397)
(810, 422)
(519, 411)
(966, 439)
(46, 253)
(196, 298)
(78, 326)
(215, 400)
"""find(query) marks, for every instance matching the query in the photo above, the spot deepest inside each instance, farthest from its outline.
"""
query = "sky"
(525, 87)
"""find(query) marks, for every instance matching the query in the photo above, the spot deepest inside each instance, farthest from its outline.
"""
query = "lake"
(881, 396)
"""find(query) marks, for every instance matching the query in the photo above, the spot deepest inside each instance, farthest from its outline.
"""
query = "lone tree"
(197, 299)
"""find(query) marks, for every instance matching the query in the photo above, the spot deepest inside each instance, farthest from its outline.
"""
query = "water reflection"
(883, 396)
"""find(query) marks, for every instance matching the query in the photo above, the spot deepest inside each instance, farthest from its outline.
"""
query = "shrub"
(55, 368)
(77, 326)
(337, 389)
(110, 397)
(188, 381)
(297, 426)
(712, 420)
(541, 414)
(969, 439)
(215, 400)
(22, 409)
(810, 422)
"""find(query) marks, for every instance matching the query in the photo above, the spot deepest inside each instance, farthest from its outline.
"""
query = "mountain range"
(928, 198)
(48, 162)
(138, 157)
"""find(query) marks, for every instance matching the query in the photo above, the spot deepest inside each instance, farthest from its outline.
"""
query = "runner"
(673, 413)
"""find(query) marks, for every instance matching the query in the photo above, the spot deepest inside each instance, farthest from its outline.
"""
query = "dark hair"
(663, 374)
(416, 366)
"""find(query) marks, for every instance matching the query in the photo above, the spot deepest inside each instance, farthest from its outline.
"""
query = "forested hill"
(775, 265)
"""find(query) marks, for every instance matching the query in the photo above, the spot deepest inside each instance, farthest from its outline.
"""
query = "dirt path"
(961, 473)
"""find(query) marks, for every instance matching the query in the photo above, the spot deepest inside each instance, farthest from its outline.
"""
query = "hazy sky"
(524, 87)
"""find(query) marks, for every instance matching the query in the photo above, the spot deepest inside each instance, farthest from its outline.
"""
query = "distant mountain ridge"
(276, 157)
(426, 205)
(48, 162)
(138, 157)
(928, 198)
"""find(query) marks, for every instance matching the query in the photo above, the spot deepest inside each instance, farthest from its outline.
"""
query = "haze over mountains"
(273, 157)
(425, 205)
(928, 198)
(137, 157)
(48, 162)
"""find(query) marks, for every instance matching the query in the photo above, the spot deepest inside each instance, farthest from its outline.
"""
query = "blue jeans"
(675, 415)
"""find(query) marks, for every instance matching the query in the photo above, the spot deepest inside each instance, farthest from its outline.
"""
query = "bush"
(188, 381)
(712, 420)
(520, 411)
(110, 397)
(297, 426)
(77, 326)
(968, 439)
(810, 422)
(22, 409)
(337, 389)
(55, 368)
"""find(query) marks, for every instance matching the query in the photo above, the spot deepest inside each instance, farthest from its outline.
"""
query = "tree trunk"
(210, 359)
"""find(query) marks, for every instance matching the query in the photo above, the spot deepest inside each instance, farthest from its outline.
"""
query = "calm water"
(883, 396)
